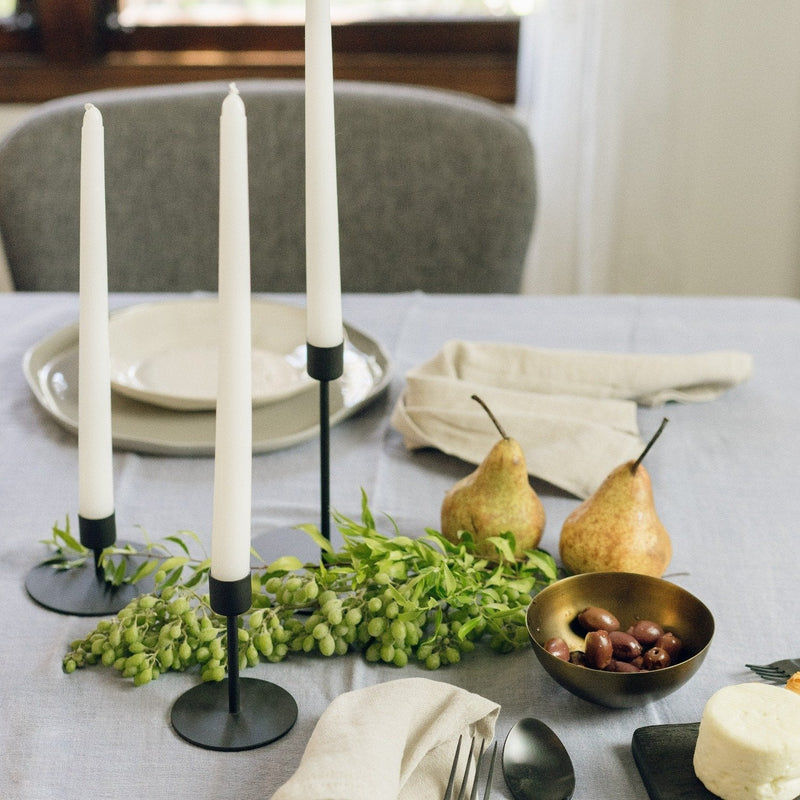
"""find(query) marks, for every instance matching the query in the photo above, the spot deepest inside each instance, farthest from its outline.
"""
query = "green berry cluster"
(155, 633)
(397, 600)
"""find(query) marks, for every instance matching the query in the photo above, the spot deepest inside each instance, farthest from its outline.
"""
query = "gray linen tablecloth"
(725, 477)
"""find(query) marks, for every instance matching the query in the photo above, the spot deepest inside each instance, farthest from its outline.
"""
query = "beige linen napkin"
(392, 741)
(574, 413)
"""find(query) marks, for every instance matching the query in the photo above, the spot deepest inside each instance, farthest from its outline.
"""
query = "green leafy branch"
(127, 564)
(394, 598)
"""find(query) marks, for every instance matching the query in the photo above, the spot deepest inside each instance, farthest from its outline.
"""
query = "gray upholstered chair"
(436, 190)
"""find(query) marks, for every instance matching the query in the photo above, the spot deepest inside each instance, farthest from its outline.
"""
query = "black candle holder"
(235, 713)
(325, 364)
(82, 590)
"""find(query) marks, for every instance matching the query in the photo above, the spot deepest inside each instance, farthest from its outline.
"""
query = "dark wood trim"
(30, 79)
(418, 36)
(69, 31)
(70, 51)
(16, 40)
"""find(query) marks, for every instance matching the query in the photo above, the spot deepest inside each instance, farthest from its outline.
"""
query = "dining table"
(725, 479)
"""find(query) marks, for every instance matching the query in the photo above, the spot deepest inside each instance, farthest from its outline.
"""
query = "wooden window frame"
(72, 50)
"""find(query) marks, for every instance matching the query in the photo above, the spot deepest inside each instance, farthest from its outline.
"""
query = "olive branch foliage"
(394, 598)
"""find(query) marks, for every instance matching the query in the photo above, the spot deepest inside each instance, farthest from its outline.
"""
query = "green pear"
(617, 529)
(494, 499)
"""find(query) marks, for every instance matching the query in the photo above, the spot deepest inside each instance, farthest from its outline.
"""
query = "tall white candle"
(230, 540)
(95, 462)
(323, 276)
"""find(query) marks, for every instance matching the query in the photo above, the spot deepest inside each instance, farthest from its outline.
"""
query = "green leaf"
(62, 536)
(448, 580)
(119, 574)
(201, 571)
(174, 562)
(143, 570)
(60, 563)
(285, 564)
(171, 579)
(191, 535)
(366, 515)
(54, 560)
(504, 547)
(317, 537)
(392, 592)
(543, 561)
(178, 541)
(468, 627)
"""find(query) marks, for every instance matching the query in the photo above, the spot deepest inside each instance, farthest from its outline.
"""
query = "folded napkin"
(392, 741)
(574, 413)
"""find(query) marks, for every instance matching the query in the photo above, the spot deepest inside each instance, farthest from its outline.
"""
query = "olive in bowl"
(630, 599)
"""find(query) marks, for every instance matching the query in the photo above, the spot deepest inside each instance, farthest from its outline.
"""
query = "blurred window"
(50, 48)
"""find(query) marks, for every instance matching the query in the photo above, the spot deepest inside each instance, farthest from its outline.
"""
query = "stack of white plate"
(164, 376)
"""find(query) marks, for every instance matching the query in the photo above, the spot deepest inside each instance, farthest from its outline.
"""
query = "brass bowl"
(629, 597)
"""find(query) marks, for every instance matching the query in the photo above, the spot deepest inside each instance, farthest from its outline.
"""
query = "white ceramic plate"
(165, 353)
(51, 369)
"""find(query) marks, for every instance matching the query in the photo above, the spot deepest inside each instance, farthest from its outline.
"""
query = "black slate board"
(663, 754)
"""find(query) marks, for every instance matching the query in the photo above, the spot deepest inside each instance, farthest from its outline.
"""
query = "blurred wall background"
(668, 145)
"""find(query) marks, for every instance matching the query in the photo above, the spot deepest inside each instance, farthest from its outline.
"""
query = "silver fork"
(777, 671)
(448, 792)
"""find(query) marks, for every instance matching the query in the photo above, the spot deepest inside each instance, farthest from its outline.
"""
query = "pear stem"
(652, 441)
(492, 417)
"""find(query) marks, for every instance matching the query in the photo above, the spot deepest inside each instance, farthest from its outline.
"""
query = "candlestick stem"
(324, 364)
(325, 459)
(233, 665)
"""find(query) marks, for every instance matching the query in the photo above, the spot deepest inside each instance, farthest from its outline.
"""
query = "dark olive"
(578, 657)
(646, 632)
(557, 647)
(624, 646)
(598, 649)
(671, 643)
(597, 619)
(621, 666)
(655, 658)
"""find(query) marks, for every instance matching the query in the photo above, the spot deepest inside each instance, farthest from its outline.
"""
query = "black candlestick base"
(236, 713)
(81, 591)
(202, 715)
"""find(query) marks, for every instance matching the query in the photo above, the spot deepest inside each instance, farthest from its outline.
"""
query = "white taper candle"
(230, 539)
(323, 275)
(95, 460)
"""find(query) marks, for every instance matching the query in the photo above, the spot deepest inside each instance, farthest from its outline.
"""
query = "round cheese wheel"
(748, 745)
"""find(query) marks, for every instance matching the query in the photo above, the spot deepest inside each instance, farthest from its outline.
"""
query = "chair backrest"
(436, 189)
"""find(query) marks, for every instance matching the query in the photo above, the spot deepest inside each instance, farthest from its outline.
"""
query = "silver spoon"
(536, 765)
